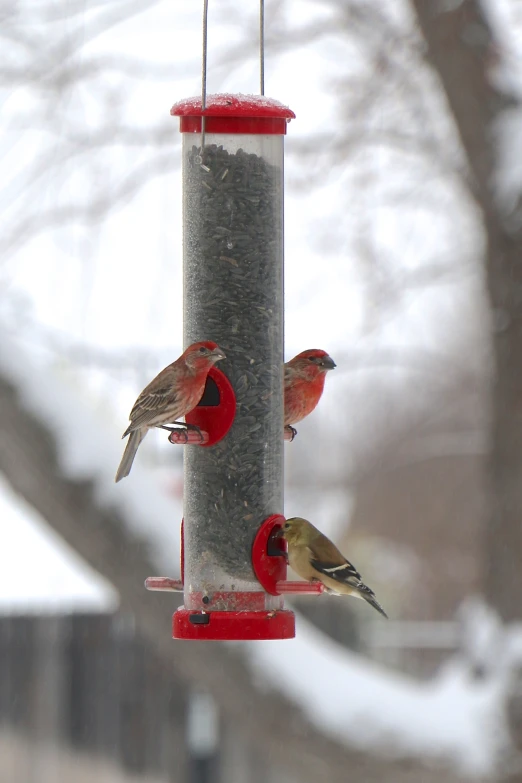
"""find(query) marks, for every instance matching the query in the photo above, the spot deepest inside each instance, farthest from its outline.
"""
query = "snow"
(450, 719)
(39, 572)
(228, 102)
(88, 450)
(492, 648)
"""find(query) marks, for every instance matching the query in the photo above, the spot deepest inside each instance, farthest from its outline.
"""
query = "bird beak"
(218, 354)
(278, 533)
(329, 363)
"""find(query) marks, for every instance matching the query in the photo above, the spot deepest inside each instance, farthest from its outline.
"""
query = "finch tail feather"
(371, 599)
(135, 438)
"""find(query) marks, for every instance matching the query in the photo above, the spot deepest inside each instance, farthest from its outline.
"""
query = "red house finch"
(313, 556)
(304, 383)
(175, 391)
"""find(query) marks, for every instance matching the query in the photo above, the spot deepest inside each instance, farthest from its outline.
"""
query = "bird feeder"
(233, 569)
(233, 564)
(233, 294)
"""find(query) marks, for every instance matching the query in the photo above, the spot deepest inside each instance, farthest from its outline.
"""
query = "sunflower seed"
(236, 204)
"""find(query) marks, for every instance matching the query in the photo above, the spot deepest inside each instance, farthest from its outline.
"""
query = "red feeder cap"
(228, 113)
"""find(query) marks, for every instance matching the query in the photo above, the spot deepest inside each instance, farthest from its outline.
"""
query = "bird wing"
(153, 399)
(344, 573)
(326, 558)
(329, 562)
(150, 403)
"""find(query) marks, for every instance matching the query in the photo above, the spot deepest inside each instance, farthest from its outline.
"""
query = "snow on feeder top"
(233, 294)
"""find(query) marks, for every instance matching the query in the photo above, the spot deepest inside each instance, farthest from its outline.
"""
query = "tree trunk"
(462, 49)
(461, 46)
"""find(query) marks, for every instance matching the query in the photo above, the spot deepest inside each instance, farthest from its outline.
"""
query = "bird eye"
(203, 349)
(287, 526)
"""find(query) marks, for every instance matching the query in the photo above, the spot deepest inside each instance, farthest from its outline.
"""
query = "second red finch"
(304, 383)
(174, 392)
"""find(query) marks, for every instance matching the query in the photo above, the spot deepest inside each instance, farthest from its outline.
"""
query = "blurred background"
(403, 258)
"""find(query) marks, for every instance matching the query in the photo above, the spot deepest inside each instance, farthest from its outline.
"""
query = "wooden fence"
(88, 683)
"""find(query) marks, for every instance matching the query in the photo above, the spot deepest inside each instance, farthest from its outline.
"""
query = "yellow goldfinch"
(313, 556)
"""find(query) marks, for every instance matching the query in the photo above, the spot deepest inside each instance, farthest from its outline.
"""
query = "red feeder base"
(233, 626)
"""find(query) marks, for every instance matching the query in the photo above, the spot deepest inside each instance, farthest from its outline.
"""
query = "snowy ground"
(90, 448)
(453, 718)
(38, 571)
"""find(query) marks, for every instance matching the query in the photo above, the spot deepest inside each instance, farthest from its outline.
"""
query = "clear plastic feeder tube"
(233, 294)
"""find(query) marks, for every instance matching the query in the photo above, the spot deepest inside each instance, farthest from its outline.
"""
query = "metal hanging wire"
(204, 73)
(262, 46)
(204, 61)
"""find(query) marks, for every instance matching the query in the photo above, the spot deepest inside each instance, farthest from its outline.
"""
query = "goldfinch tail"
(369, 596)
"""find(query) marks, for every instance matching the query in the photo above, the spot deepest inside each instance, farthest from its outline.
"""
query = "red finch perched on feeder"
(315, 558)
(175, 391)
(304, 383)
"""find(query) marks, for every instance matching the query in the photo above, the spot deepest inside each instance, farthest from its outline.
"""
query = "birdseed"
(233, 284)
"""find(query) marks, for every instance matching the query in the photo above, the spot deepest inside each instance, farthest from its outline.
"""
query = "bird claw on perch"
(183, 429)
(290, 432)
(178, 432)
(183, 436)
